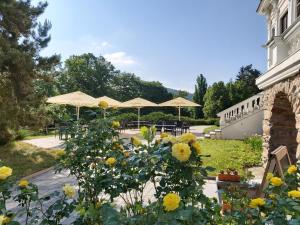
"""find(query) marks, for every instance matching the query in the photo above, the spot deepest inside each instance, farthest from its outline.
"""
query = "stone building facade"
(281, 83)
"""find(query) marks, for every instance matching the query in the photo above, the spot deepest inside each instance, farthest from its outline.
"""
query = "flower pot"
(229, 177)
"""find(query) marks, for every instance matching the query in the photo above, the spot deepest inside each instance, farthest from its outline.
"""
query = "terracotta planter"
(226, 207)
(229, 177)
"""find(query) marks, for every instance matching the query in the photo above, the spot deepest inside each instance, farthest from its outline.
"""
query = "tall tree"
(200, 91)
(245, 82)
(22, 38)
(216, 99)
(87, 73)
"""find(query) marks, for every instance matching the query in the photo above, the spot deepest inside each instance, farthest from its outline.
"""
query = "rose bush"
(114, 174)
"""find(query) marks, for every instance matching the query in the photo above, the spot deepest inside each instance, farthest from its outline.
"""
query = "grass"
(26, 159)
(232, 154)
(38, 136)
(209, 129)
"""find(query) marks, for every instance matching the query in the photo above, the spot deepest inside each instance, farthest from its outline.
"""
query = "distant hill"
(174, 92)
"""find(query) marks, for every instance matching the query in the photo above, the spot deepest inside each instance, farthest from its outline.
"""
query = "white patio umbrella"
(77, 99)
(138, 103)
(179, 103)
(112, 103)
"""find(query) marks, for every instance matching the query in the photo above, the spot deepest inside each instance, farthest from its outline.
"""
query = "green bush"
(157, 116)
(255, 142)
(22, 134)
(126, 116)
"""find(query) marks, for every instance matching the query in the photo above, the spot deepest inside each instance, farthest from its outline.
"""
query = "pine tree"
(22, 38)
(200, 90)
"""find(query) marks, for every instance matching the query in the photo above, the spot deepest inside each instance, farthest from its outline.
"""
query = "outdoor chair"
(185, 127)
(159, 126)
(170, 126)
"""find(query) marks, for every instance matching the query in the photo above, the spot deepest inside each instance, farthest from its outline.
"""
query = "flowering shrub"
(114, 176)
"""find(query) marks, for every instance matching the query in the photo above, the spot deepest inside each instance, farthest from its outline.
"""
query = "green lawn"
(212, 128)
(26, 159)
(230, 154)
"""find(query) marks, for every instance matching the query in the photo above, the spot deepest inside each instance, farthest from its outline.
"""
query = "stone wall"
(281, 123)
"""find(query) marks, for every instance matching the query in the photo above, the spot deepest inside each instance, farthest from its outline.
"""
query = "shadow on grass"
(25, 159)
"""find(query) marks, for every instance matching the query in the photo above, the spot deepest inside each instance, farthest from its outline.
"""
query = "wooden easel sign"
(278, 162)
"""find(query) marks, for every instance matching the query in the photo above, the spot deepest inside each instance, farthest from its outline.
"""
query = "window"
(298, 8)
(284, 22)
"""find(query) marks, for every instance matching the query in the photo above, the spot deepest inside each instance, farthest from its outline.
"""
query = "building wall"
(244, 128)
(287, 132)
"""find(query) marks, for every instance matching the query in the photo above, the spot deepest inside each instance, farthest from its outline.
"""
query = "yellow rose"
(181, 152)
(144, 131)
(171, 201)
(187, 138)
(196, 145)
(164, 135)
(269, 176)
(4, 219)
(115, 124)
(292, 169)
(276, 181)
(111, 161)
(170, 139)
(257, 202)
(136, 142)
(5, 172)
(103, 104)
(294, 194)
(23, 183)
(69, 190)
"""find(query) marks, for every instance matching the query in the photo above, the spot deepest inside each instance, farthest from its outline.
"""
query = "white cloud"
(105, 44)
(120, 58)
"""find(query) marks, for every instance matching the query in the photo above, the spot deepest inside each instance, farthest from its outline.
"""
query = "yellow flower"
(111, 161)
(136, 142)
(276, 181)
(196, 145)
(144, 130)
(181, 152)
(294, 194)
(269, 176)
(5, 172)
(164, 135)
(257, 202)
(170, 139)
(171, 201)
(292, 169)
(23, 183)
(69, 190)
(4, 219)
(187, 138)
(103, 104)
(115, 124)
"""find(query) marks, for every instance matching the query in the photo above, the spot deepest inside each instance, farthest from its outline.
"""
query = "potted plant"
(230, 175)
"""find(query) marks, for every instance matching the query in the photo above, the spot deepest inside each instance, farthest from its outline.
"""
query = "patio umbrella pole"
(179, 113)
(139, 111)
(77, 112)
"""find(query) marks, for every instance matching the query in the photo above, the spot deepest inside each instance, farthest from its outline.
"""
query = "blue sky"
(171, 41)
